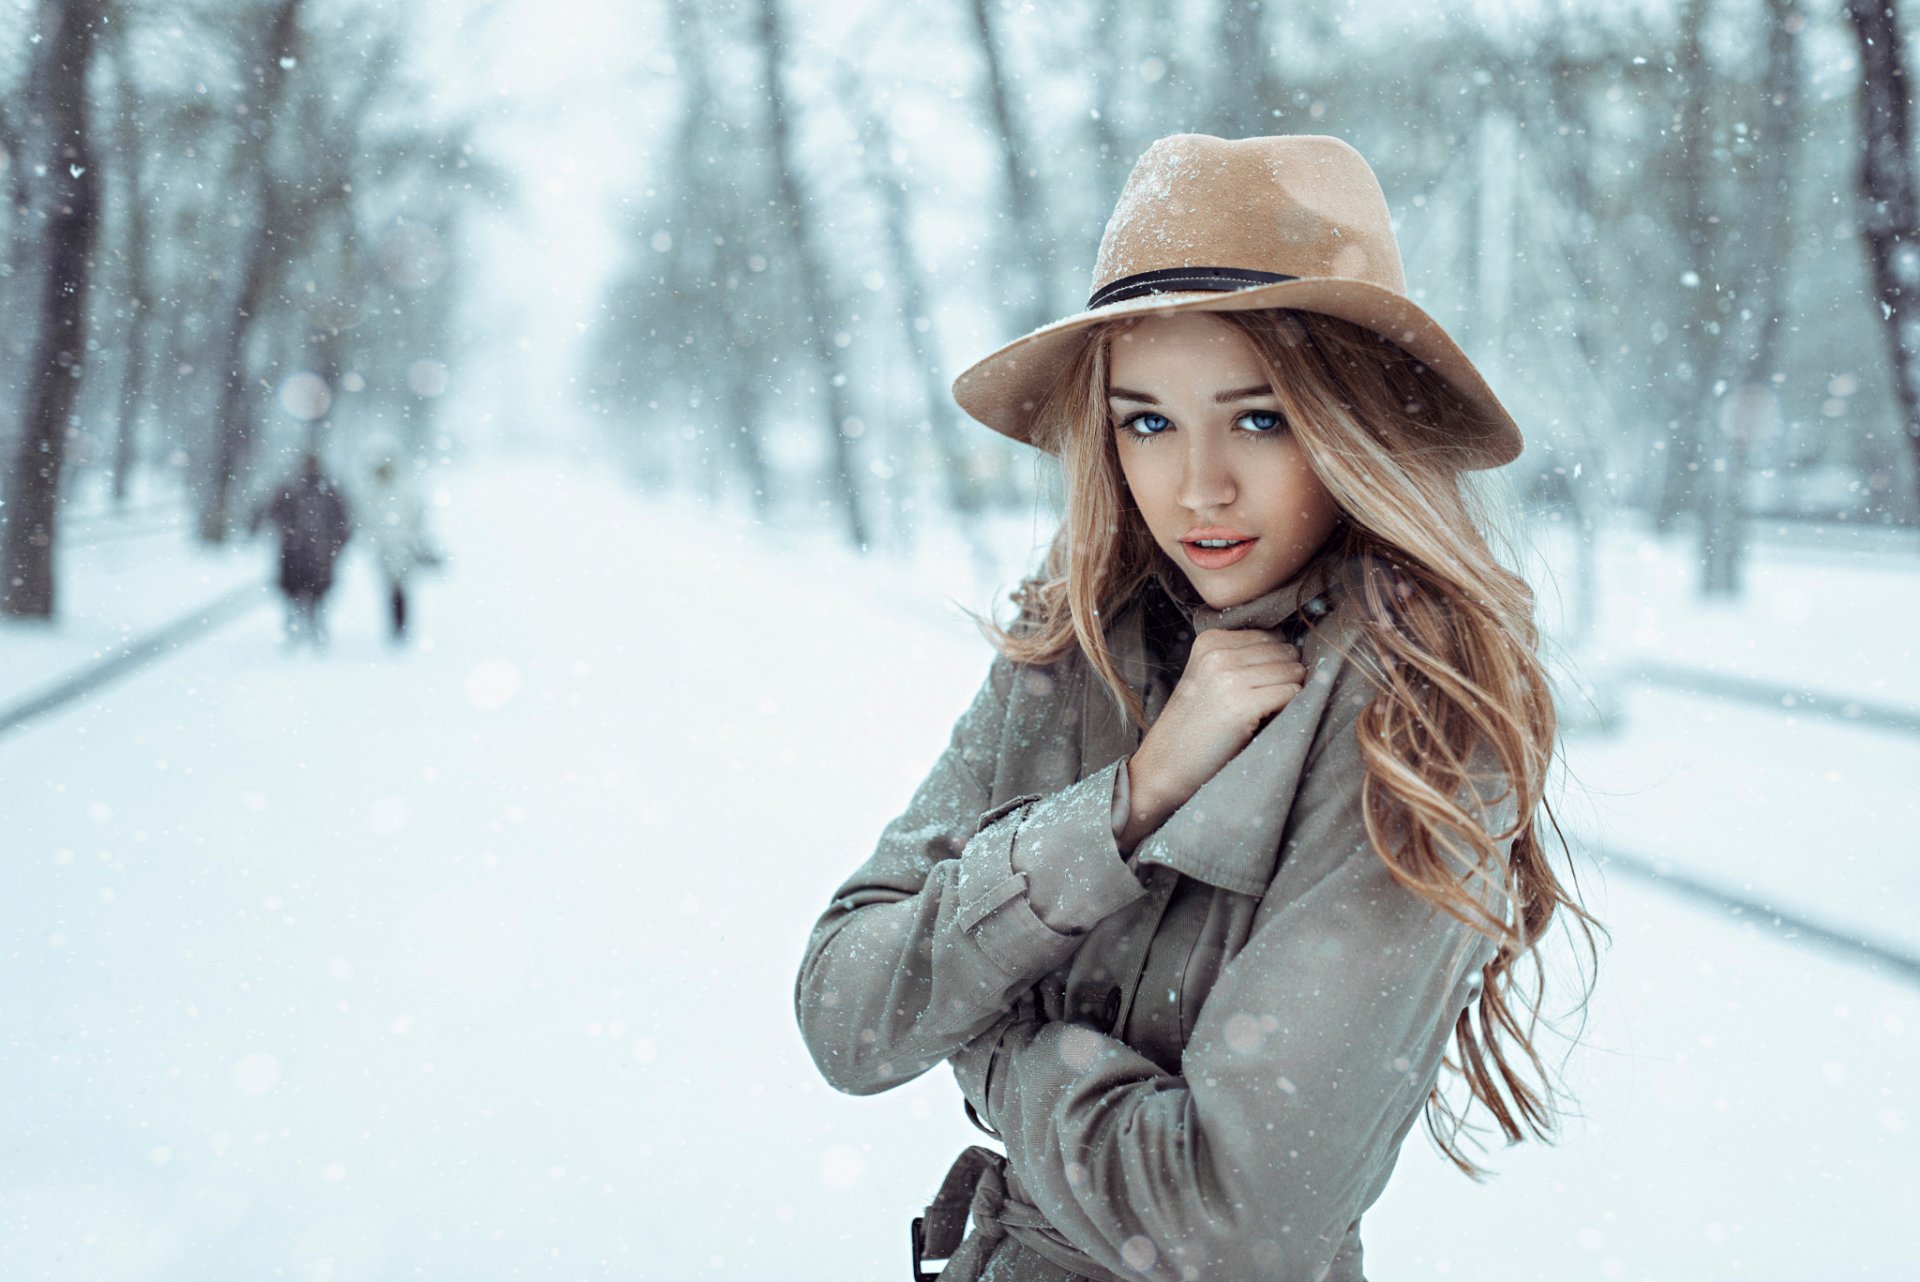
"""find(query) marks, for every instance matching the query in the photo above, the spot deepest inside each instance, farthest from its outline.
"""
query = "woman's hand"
(1234, 681)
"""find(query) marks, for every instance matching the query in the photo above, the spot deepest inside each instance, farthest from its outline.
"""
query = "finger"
(1276, 697)
(1247, 639)
(1244, 643)
(1261, 661)
(1229, 639)
(1261, 697)
(1274, 700)
(1231, 661)
(1286, 648)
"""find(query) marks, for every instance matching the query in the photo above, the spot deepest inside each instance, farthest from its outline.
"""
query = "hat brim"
(1003, 389)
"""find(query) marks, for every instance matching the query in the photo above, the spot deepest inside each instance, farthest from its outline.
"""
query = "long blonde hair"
(1459, 672)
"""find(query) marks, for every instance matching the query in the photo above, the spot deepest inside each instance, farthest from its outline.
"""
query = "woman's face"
(1209, 458)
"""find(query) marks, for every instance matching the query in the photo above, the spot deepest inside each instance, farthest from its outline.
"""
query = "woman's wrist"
(1144, 810)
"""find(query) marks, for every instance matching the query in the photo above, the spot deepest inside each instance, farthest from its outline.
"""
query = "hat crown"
(1301, 205)
(1218, 225)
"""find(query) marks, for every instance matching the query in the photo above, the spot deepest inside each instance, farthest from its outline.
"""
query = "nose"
(1206, 478)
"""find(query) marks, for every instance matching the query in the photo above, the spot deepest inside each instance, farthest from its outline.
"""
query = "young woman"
(1239, 833)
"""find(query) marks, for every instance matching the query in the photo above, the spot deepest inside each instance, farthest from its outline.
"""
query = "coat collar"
(1309, 591)
(1229, 832)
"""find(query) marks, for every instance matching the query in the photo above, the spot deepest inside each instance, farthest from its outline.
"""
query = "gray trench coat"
(1201, 1058)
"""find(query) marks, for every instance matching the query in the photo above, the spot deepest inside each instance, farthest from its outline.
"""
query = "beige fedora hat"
(1208, 224)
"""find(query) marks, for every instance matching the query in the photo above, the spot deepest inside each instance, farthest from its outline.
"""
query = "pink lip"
(1216, 558)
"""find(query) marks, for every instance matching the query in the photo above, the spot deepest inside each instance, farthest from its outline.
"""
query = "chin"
(1221, 600)
(1221, 595)
(1220, 592)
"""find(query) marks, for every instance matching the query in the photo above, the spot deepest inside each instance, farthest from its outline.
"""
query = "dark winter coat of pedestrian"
(314, 524)
(1234, 854)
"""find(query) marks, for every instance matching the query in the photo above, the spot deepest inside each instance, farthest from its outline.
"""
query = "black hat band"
(1171, 280)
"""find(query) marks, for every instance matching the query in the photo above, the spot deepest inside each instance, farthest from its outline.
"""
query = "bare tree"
(1105, 88)
(1752, 343)
(1688, 182)
(1247, 88)
(1889, 208)
(64, 196)
(1024, 239)
(131, 170)
(1568, 176)
(811, 269)
(702, 312)
(1656, 160)
(711, 263)
(916, 315)
(266, 76)
(322, 172)
(16, 322)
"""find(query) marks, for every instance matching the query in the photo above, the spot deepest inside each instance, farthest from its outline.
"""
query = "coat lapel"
(1228, 833)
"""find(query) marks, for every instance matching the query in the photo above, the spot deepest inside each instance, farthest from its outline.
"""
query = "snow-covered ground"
(118, 581)
(474, 960)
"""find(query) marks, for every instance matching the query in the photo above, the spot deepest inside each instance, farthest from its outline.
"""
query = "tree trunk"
(1496, 144)
(711, 247)
(65, 187)
(1568, 173)
(1889, 210)
(15, 337)
(916, 314)
(1686, 440)
(1024, 239)
(233, 419)
(1751, 409)
(133, 372)
(742, 407)
(1245, 90)
(813, 277)
(1116, 156)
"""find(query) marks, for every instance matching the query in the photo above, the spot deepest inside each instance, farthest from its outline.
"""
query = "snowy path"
(475, 961)
(1829, 622)
(112, 592)
(1809, 815)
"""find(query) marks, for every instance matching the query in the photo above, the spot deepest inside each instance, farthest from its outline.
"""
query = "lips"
(1237, 546)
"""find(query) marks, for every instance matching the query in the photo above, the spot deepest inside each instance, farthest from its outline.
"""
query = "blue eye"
(1262, 422)
(1145, 423)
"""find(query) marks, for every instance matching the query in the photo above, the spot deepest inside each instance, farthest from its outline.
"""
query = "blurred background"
(445, 925)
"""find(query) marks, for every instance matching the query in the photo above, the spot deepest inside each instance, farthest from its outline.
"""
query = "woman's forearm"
(959, 910)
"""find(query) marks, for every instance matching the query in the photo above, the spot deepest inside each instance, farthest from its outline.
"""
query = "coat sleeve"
(959, 911)
(1306, 1068)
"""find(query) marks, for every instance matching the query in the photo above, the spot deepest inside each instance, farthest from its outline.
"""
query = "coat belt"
(975, 1188)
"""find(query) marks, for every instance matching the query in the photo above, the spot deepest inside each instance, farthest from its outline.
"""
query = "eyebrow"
(1219, 398)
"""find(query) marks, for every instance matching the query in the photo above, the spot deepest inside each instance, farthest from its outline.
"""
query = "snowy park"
(496, 501)
(476, 960)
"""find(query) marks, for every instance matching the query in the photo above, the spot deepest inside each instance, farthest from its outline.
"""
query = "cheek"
(1143, 483)
(1319, 504)
(1152, 498)
(1305, 503)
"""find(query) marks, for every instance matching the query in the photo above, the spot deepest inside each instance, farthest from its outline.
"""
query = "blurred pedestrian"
(314, 524)
(392, 514)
